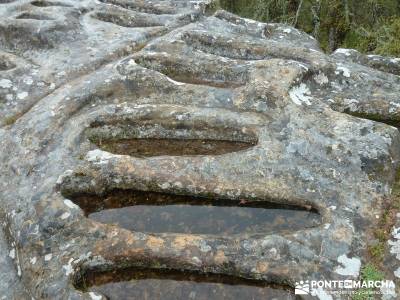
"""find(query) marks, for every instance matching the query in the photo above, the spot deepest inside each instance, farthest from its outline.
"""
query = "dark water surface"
(160, 212)
(172, 285)
(155, 147)
(194, 219)
(154, 212)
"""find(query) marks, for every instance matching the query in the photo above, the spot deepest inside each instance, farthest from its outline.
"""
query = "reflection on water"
(173, 285)
(156, 147)
(209, 219)
(161, 212)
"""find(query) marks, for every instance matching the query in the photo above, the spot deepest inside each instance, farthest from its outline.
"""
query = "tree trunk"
(346, 11)
(332, 40)
(297, 13)
(316, 12)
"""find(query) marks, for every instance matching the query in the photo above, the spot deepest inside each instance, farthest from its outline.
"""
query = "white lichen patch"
(344, 51)
(178, 184)
(68, 268)
(395, 245)
(22, 95)
(388, 292)
(65, 215)
(62, 176)
(99, 156)
(175, 82)
(301, 65)
(321, 78)
(351, 104)
(94, 296)
(12, 253)
(350, 266)
(70, 204)
(61, 74)
(83, 257)
(5, 83)
(196, 260)
(204, 247)
(273, 253)
(374, 56)
(28, 80)
(345, 71)
(165, 185)
(397, 272)
(300, 95)
(394, 107)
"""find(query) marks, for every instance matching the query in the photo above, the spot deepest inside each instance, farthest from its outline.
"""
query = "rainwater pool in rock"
(157, 147)
(172, 285)
(158, 213)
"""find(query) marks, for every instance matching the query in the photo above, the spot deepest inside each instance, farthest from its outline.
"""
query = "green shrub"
(388, 38)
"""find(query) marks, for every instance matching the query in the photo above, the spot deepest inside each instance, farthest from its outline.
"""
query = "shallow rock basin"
(168, 285)
(157, 147)
(158, 212)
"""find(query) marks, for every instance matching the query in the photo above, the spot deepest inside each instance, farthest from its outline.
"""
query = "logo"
(302, 288)
(345, 287)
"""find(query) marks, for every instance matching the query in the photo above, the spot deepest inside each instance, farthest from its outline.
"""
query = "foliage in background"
(370, 26)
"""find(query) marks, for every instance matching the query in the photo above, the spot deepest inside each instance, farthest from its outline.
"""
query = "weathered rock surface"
(75, 72)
